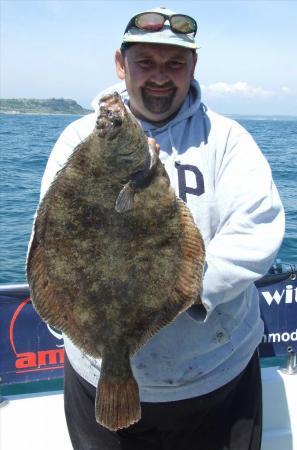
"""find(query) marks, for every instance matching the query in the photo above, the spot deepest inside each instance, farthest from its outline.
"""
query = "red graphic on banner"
(49, 359)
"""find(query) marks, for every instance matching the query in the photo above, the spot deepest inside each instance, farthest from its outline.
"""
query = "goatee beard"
(158, 104)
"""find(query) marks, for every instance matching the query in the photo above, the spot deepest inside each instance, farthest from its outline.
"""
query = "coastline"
(18, 113)
(49, 106)
(233, 116)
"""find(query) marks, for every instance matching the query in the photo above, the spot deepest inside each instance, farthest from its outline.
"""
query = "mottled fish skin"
(110, 277)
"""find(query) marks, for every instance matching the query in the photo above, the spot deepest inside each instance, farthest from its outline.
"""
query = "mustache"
(167, 85)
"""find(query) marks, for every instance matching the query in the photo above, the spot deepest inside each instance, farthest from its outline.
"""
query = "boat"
(32, 357)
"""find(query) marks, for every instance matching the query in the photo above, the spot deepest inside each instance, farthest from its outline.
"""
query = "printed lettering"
(294, 335)
(274, 337)
(276, 297)
(50, 357)
(290, 293)
(40, 359)
(280, 337)
(182, 184)
(26, 360)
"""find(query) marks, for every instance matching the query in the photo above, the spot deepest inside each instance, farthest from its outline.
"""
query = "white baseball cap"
(173, 30)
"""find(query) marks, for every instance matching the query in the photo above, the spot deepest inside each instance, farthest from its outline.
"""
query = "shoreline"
(234, 116)
(18, 113)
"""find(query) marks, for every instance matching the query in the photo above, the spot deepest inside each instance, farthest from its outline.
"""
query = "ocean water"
(26, 141)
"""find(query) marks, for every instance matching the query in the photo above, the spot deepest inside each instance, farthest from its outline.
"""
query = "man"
(199, 377)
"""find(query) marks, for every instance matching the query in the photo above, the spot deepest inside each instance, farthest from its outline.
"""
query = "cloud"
(240, 88)
(286, 90)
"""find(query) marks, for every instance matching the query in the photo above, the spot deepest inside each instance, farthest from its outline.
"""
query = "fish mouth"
(111, 115)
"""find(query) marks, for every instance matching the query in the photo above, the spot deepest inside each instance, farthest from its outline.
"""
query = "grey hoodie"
(217, 168)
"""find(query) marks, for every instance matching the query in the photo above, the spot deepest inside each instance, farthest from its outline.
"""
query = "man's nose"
(160, 74)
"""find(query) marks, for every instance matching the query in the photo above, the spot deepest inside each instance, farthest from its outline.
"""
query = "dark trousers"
(229, 418)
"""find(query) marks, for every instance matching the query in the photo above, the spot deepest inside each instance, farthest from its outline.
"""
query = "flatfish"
(115, 256)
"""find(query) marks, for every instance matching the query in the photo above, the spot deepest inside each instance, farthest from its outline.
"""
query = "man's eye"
(176, 64)
(144, 63)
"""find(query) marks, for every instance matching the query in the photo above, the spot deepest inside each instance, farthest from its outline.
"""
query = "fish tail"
(117, 402)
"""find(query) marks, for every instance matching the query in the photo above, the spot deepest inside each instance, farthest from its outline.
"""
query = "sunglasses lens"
(153, 21)
(183, 24)
(149, 21)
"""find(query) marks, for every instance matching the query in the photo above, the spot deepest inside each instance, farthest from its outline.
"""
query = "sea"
(27, 140)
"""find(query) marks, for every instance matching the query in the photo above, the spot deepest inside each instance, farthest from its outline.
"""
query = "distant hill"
(41, 106)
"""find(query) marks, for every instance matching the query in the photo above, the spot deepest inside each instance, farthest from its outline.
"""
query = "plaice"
(115, 255)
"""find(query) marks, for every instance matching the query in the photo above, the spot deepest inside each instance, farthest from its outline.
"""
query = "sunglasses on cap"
(154, 21)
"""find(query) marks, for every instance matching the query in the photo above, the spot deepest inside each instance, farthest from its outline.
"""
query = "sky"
(247, 60)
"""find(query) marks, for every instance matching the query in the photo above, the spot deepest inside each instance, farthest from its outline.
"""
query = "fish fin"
(125, 200)
(117, 402)
(45, 297)
(190, 278)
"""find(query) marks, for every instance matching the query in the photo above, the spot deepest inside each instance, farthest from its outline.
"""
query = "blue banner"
(33, 351)
(278, 303)
(30, 349)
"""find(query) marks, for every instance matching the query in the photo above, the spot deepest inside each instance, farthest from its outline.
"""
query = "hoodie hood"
(178, 134)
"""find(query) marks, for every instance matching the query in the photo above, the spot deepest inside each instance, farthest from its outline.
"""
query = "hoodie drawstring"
(205, 131)
(174, 151)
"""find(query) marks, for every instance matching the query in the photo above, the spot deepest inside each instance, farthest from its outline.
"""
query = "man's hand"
(154, 146)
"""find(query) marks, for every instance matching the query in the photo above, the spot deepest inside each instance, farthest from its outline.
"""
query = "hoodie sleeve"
(70, 138)
(250, 220)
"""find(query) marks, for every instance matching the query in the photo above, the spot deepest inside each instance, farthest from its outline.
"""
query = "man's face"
(157, 79)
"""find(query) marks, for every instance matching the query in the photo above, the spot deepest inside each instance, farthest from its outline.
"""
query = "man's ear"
(120, 66)
(195, 59)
